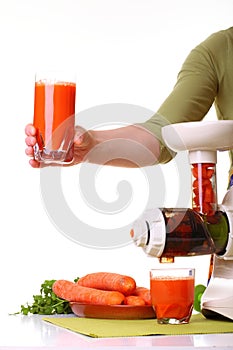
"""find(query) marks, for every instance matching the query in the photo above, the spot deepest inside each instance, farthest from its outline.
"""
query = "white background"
(122, 52)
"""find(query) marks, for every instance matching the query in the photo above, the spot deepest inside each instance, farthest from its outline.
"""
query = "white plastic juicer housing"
(197, 231)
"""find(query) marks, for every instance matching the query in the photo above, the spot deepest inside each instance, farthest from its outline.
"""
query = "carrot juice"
(54, 119)
(172, 296)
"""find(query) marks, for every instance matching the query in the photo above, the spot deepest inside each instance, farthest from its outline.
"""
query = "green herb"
(46, 303)
(198, 292)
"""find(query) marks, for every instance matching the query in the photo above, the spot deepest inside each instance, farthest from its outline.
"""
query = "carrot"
(134, 300)
(71, 291)
(144, 293)
(109, 281)
(204, 196)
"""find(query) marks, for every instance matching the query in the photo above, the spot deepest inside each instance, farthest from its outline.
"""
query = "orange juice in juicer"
(207, 227)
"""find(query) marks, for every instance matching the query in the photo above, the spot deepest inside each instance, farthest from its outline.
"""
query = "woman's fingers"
(30, 141)
(34, 163)
(30, 130)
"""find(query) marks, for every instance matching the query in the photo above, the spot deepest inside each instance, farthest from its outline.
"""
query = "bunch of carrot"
(103, 288)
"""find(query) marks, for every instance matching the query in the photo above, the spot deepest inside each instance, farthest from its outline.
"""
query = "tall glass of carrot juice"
(54, 116)
(172, 294)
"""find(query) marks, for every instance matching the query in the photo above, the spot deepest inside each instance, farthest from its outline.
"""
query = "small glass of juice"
(172, 294)
(54, 116)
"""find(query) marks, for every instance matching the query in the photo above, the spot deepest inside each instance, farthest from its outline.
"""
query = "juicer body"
(167, 233)
(217, 299)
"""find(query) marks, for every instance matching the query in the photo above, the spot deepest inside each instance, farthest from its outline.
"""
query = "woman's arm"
(129, 146)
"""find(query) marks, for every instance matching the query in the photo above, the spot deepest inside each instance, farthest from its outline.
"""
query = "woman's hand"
(83, 143)
(30, 141)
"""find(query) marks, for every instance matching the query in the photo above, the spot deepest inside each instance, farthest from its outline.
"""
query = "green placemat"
(105, 328)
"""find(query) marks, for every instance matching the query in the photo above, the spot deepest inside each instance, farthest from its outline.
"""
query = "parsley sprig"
(46, 303)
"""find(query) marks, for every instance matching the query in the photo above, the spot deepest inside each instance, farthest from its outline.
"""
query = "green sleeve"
(193, 93)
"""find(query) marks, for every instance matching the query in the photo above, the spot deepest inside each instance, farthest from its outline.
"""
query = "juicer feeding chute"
(206, 228)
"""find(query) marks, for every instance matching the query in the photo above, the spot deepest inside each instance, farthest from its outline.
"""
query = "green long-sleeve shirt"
(206, 78)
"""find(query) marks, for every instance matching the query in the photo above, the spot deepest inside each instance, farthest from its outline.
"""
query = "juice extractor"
(207, 227)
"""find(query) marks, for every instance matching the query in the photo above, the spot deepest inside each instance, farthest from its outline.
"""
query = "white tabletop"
(31, 332)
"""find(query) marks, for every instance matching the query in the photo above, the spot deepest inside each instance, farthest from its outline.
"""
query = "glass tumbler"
(172, 294)
(54, 116)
